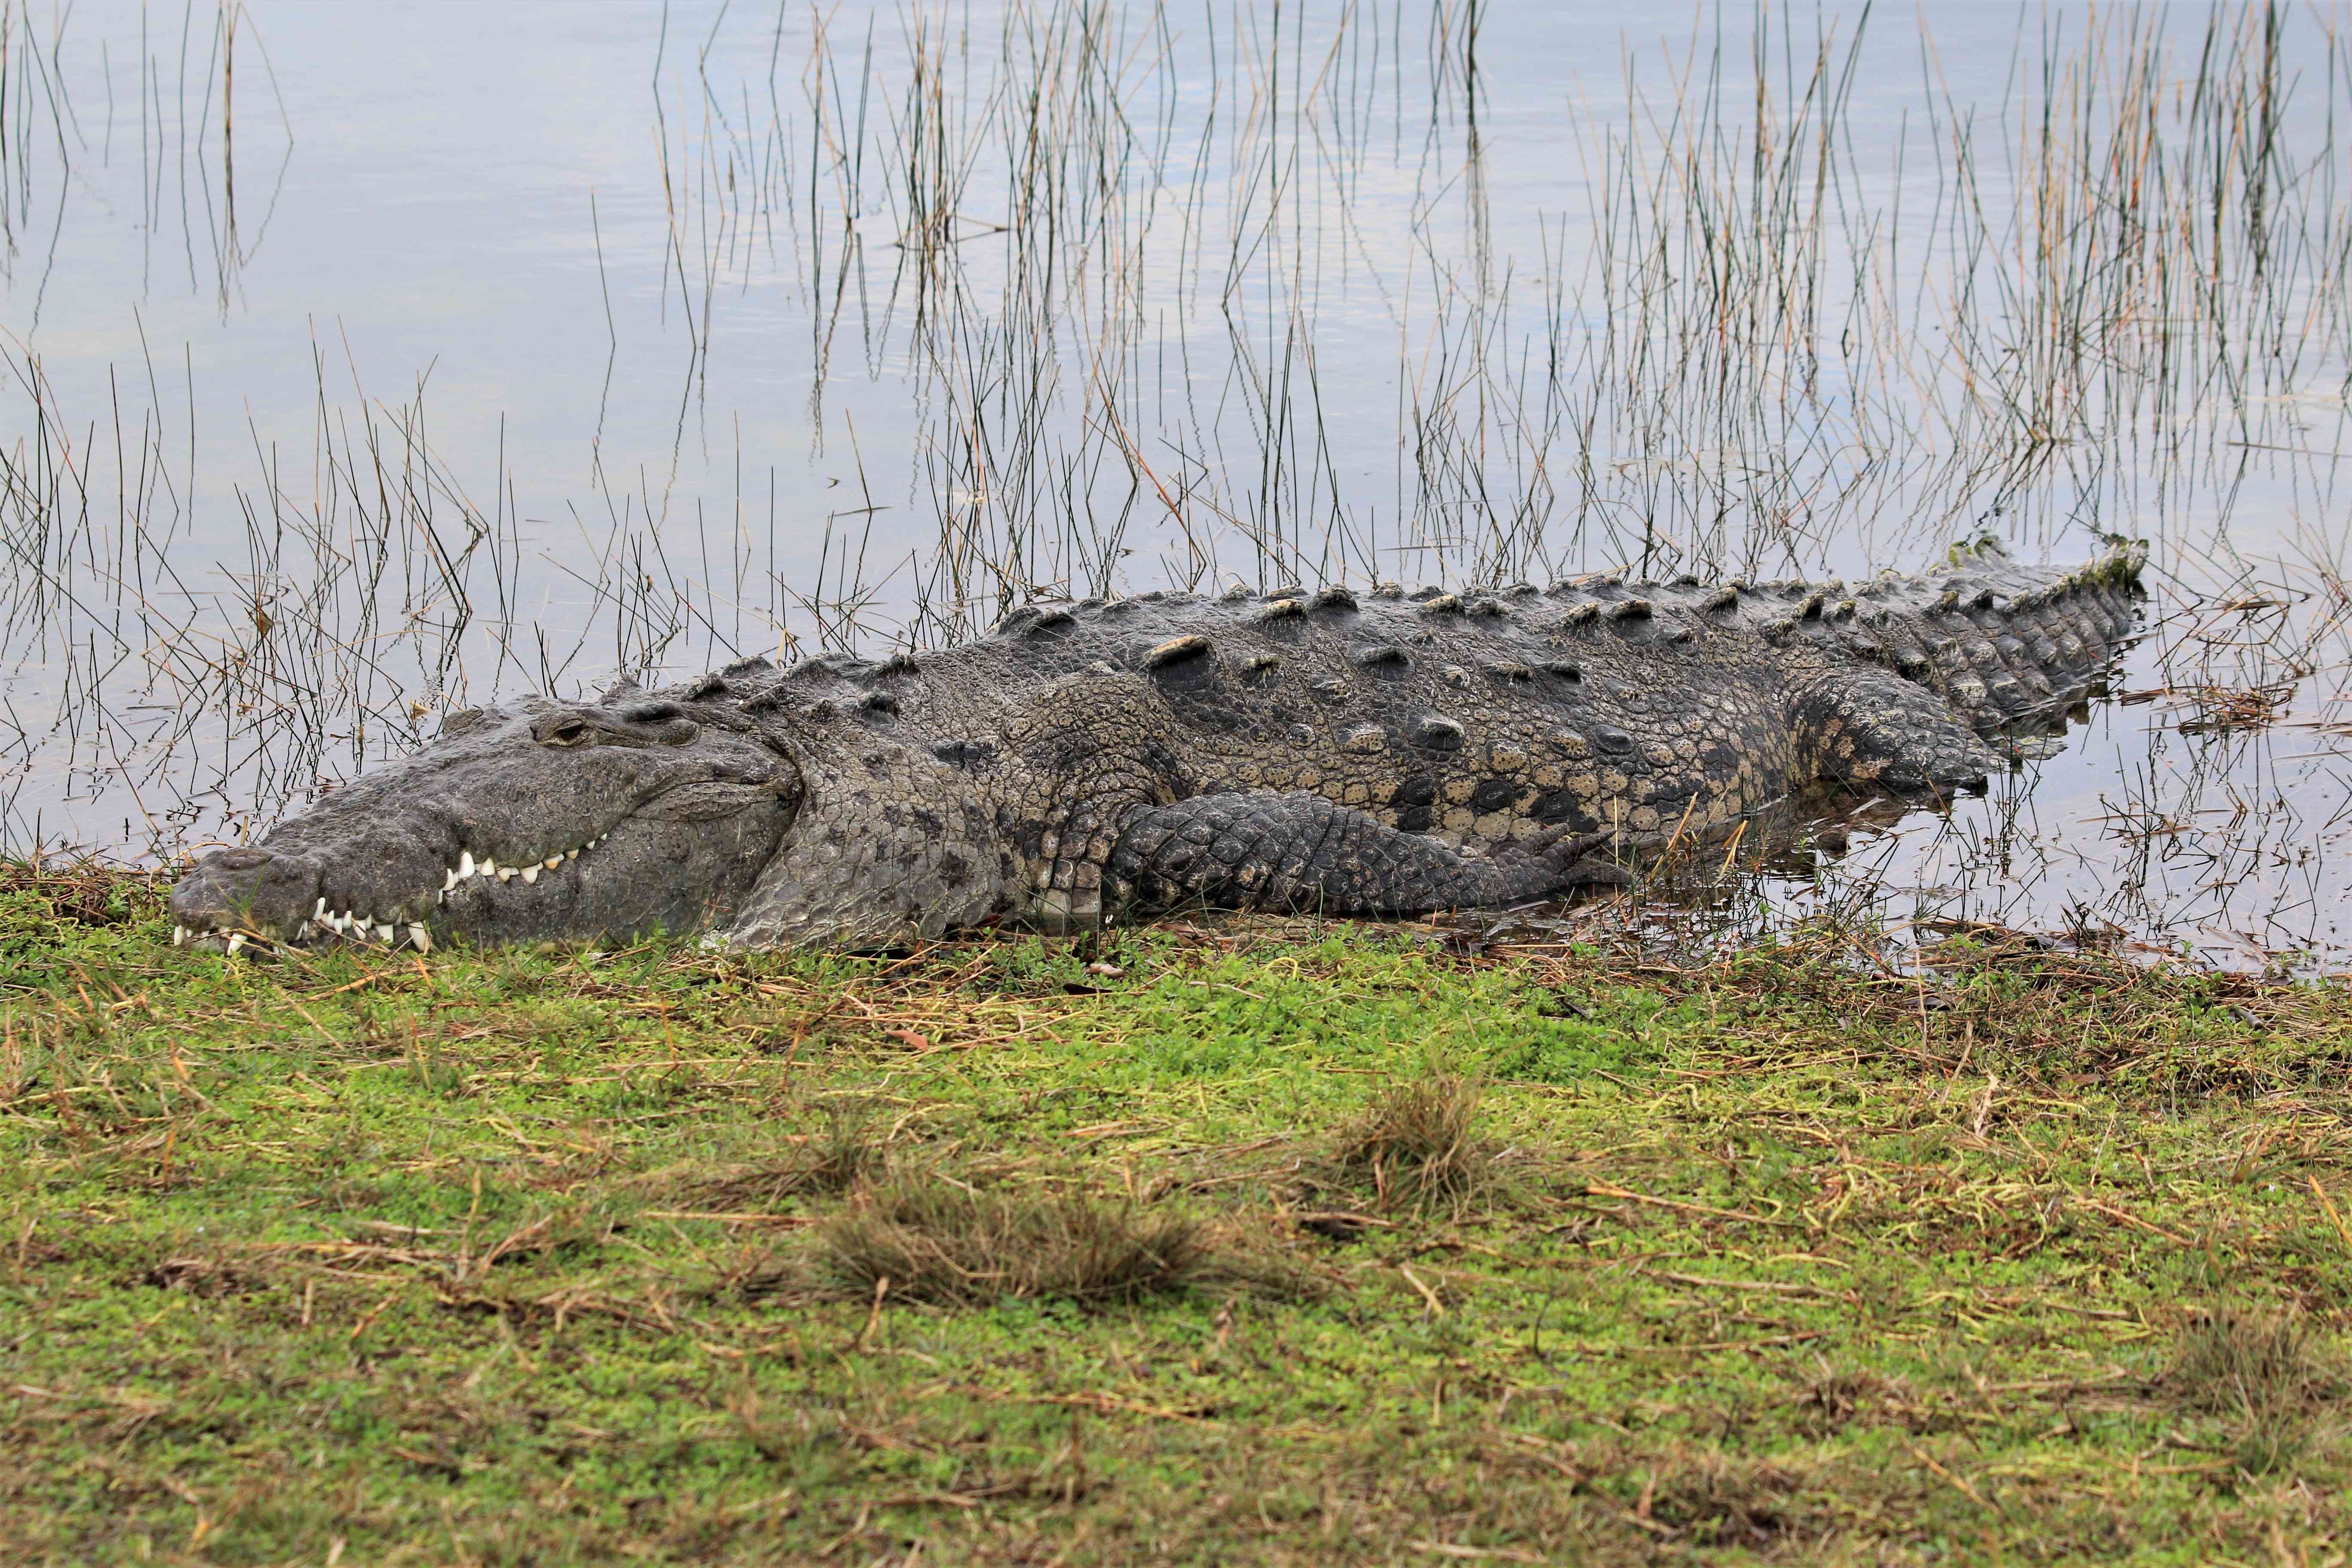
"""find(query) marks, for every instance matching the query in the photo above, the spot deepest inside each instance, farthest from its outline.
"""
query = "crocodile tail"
(2010, 647)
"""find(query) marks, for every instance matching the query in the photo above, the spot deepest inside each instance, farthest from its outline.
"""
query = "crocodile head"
(540, 819)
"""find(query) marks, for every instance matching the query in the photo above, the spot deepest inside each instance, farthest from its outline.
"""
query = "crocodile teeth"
(507, 873)
(553, 861)
(448, 879)
(236, 940)
(465, 866)
(488, 867)
(302, 932)
(384, 935)
(530, 873)
(572, 854)
(419, 939)
(320, 913)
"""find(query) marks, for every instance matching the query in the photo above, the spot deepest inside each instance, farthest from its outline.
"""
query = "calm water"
(379, 358)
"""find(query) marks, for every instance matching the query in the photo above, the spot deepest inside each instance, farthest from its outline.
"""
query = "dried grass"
(846, 1152)
(2233, 1361)
(933, 1241)
(86, 892)
(2263, 1374)
(1418, 1146)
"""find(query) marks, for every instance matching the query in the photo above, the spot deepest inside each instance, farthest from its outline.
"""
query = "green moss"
(516, 1257)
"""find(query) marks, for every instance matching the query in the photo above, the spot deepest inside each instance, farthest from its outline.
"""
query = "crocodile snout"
(236, 893)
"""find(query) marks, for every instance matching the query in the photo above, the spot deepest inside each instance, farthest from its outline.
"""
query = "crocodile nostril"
(653, 712)
(664, 723)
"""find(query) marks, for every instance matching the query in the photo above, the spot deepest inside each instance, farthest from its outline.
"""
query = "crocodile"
(1370, 753)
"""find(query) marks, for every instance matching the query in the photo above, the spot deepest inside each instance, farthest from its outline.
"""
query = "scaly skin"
(1365, 752)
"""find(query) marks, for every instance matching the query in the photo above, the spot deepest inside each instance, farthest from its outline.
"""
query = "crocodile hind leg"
(1302, 852)
(1871, 727)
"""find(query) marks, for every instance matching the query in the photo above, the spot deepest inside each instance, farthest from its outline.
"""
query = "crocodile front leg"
(1303, 853)
(891, 846)
(1085, 754)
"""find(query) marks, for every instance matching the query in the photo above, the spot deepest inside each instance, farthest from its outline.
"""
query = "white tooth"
(448, 879)
(572, 854)
(487, 866)
(384, 935)
(179, 935)
(506, 873)
(302, 932)
(236, 940)
(442, 897)
(319, 910)
(465, 866)
(553, 861)
(419, 940)
(531, 874)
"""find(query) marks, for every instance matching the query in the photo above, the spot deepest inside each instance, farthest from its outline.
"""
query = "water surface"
(370, 361)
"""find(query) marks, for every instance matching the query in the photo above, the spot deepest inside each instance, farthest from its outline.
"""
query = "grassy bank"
(1242, 1243)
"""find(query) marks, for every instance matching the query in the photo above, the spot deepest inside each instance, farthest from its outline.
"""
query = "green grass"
(1243, 1243)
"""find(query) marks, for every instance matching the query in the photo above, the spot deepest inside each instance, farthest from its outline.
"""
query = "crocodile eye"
(571, 732)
